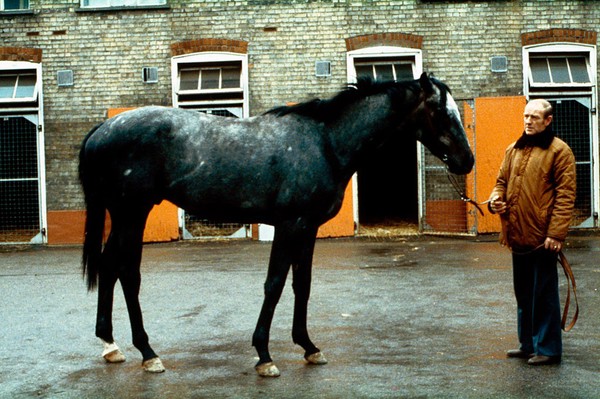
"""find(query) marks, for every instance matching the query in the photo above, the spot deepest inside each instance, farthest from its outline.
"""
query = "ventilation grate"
(150, 74)
(322, 68)
(64, 78)
(499, 64)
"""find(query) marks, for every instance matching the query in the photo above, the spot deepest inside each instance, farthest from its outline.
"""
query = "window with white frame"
(384, 63)
(209, 81)
(121, 3)
(18, 86)
(13, 5)
(559, 69)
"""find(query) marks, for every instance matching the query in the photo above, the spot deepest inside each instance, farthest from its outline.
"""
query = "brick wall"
(283, 39)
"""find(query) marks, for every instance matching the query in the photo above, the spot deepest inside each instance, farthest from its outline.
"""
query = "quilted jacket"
(537, 180)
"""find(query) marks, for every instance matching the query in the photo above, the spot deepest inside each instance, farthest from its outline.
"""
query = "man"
(535, 197)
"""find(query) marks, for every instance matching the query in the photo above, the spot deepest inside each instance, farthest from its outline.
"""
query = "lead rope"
(562, 259)
(463, 196)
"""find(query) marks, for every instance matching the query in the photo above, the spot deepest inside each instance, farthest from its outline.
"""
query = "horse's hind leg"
(127, 233)
(107, 277)
(302, 275)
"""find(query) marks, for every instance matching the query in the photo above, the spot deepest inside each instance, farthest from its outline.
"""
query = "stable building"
(67, 66)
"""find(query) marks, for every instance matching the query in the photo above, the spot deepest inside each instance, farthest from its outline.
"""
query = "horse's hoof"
(112, 353)
(267, 370)
(316, 358)
(153, 365)
(115, 356)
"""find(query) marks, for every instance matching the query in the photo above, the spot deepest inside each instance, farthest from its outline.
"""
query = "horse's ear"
(426, 84)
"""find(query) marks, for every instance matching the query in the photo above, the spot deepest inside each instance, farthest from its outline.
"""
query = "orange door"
(342, 225)
(498, 123)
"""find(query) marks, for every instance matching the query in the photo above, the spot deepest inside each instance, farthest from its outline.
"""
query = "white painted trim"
(387, 52)
(206, 57)
(589, 91)
(36, 116)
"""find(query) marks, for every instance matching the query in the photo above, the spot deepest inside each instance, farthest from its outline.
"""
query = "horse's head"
(439, 128)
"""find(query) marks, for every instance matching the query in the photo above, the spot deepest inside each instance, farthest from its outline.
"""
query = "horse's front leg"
(279, 265)
(302, 276)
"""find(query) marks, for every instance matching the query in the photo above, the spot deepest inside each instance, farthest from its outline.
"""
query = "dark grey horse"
(287, 168)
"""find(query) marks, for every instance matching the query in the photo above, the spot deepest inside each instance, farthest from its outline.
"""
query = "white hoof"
(316, 358)
(112, 353)
(153, 365)
(267, 370)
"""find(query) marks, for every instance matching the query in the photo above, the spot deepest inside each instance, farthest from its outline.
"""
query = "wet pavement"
(420, 317)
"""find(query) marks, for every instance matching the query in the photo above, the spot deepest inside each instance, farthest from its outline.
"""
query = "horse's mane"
(329, 109)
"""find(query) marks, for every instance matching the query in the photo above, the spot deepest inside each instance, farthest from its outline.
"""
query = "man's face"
(534, 119)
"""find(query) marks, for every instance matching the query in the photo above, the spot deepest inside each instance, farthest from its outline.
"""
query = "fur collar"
(542, 140)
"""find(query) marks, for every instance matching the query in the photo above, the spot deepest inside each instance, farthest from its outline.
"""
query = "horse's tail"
(95, 218)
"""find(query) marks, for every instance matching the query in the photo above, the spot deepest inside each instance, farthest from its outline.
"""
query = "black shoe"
(541, 360)
(521, 354)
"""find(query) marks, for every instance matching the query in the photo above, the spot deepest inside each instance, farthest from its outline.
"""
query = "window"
(11, 5)
(18, 87)
(559, 70)
(121, 3)
(210, 80)
(384, 69)
(384, 63)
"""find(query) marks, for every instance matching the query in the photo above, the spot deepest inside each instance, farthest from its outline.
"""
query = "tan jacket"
(538, 186)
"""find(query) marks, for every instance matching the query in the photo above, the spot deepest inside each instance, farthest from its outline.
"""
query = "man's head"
(537, 116)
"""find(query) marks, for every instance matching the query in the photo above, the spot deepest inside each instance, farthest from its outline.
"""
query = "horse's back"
(228, 167)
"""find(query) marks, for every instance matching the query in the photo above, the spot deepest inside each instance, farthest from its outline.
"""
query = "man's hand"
(497, 206)
(553, 245)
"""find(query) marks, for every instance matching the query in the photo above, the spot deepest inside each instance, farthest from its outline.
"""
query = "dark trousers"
(535, 279)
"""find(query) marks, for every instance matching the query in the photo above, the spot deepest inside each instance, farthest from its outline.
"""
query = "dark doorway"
(388, 185)
(19, 186)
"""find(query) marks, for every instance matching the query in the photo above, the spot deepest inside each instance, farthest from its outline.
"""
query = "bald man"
(535, 197)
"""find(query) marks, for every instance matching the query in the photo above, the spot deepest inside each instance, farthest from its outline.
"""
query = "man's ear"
(548, 120)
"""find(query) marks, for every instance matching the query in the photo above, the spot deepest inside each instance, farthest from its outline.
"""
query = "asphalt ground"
(421, 317)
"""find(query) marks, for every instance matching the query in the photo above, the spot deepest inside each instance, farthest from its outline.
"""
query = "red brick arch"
(559, 35)
(384, 39)
(200, 45)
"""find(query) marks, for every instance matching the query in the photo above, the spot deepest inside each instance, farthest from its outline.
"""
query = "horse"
(287, 167)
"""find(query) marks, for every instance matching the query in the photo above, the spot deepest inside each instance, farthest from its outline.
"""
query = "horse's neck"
(364, 127)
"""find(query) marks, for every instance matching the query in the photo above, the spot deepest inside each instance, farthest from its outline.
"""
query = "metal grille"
(196, 227)
(573, 125)
(19, 185)
(442, 209)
